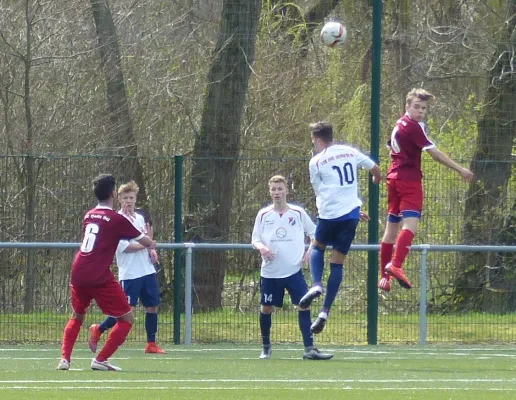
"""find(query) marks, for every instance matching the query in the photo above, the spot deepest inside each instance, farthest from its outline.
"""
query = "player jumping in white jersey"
(334, 177)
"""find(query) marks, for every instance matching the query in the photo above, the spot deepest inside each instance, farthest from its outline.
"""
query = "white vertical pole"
(422, 295)
(188, 293)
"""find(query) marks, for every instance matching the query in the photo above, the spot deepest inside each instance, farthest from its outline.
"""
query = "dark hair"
(322, 130)
(103, 186)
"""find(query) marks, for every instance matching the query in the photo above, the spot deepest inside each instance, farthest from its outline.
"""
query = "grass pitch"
(235, 372)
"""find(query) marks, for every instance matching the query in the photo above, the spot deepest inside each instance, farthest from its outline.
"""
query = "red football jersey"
(408, 140)
(103, 229)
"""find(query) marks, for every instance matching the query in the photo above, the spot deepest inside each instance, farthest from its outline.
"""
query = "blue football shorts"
(272, 290)
(144, 288)
(339, 234)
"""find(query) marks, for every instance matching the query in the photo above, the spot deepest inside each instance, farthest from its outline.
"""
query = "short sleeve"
(363, 161)
(256, 236)
(420, 136)
(126, 229)
(308, 224)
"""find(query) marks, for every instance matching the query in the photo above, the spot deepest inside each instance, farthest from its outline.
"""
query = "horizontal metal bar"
(245, 246)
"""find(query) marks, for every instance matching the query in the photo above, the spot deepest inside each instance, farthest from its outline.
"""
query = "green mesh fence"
(226, 302)
(233, 85)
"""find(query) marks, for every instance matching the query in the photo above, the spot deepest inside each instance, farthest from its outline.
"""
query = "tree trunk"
(475, 286)
(29, 172)
(216, 147)
(120, 137)
(401, 47)
(291, 15)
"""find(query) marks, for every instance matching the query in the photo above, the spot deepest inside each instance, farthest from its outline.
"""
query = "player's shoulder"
(345, 148)
(265, 210)
(315, 158)
(139, 218)
(296, 208)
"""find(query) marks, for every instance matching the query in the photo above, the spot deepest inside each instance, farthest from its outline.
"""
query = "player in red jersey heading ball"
(91, 277)
(404, 185)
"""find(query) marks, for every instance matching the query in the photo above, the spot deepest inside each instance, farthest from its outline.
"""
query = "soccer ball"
(333, 34)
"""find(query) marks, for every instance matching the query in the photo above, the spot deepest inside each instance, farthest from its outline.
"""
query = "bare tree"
(121, 140)
(217, 145)
(486, 202)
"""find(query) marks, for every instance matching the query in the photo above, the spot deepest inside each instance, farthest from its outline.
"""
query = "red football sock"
(403, 242)
(71, 331)
(115, 339)
(385, 257)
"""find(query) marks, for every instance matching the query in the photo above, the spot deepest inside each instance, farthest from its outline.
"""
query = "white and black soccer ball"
(333, 34)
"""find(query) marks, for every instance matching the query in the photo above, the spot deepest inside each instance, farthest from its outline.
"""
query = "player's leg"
(80, 300)
(297, 287)
(96, 330)
(271, 295)
(411, 204)
(112, 300)
(392, 229)
(403, 243)
(344, 234)
(149, 297)
(323, 237)
(391, 232)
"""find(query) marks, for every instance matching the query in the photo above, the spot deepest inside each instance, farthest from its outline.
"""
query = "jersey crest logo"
(281, 233)
(291, 221)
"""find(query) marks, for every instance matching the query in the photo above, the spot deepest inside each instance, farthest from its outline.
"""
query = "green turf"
(227, 325)
(234, 372)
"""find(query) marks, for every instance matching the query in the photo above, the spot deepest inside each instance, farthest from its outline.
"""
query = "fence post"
(188, 293)
(374, 196)
(178, 238)
(422, 294)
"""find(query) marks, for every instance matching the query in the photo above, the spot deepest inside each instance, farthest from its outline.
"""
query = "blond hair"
(278, 179)
(130, 186)
(419, 94)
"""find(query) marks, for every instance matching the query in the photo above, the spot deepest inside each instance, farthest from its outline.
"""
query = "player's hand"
(153, 245)
(306, 257)
(377, 179)
(466, 174)
(266, 253)
(153, 256)
(364, 216)
(126, 210)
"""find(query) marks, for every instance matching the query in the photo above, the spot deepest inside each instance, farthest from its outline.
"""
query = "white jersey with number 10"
(334, 177)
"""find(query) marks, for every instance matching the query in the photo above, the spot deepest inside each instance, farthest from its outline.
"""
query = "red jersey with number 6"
(408, 140)
(103, 229)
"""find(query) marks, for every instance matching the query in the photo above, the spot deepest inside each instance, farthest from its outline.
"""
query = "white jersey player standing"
(279, 235)
(334, 178)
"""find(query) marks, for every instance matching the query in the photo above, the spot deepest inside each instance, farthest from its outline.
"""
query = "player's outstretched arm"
(442, 158)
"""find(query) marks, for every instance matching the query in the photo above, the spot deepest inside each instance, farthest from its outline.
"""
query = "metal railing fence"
(421, 315)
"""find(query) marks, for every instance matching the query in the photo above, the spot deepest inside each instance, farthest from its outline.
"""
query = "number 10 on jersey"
(346, 174)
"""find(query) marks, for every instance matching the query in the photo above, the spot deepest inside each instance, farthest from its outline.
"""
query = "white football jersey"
(334, 177)
(137, 264)
(285, 236)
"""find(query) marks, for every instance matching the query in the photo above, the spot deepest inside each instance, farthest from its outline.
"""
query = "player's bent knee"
(78, 317)
(319, 245)
(337, 257)
(266, 309)
(129, 317)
